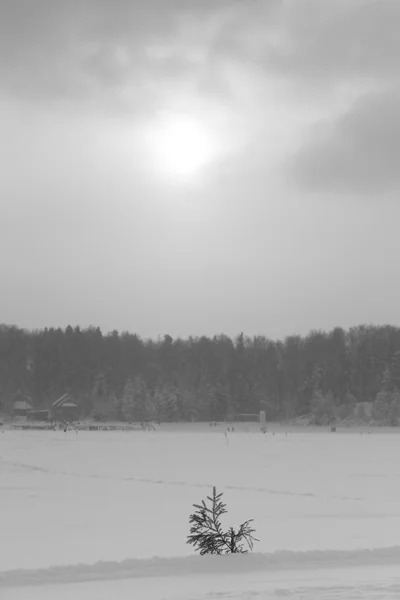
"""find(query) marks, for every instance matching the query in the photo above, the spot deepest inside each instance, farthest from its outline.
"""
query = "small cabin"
(22, 404)
(65, 409)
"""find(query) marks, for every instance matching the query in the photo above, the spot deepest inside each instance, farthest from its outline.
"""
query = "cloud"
(360, 40)
(129, 55)
(68, 49)
(359, 152)
(65, 47)
(348, 51)
(320, 41)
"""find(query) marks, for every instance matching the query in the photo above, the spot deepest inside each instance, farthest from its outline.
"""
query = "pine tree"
(99, 398)
(115, 404)
(128, 401)
(140, 400)
(220, 402)
(381, 407)
(190, 411)
(394, 408)
(150, 408)
(204, 396)
(323, 408)
(395, 369)
(207, 535)
(361, 414)
(158, 403)
(167, 403)
(386, 407)
(349, 401)
(387, 380)
(172, 404)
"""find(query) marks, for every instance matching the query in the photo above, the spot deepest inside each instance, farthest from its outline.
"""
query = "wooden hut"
(22, 403)
(65, 409)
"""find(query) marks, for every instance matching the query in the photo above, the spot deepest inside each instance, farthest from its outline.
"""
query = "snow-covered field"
(326, 509)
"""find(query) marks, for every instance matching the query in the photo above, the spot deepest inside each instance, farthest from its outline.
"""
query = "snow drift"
(194, 565)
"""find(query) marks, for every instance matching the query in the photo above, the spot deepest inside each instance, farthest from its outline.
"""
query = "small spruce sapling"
(207, 536)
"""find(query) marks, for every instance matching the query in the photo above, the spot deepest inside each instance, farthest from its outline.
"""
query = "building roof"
(62, 400)
(21, 396)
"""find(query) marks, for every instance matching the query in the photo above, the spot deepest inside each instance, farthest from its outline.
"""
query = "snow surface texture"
(326, 509)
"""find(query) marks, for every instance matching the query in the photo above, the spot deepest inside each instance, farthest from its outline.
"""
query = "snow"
(326, 508)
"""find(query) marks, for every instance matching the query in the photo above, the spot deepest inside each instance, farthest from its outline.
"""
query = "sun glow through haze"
(181, 146)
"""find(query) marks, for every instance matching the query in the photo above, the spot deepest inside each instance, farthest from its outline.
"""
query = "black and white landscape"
(173, 173)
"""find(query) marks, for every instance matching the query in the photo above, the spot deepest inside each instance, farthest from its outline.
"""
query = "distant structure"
(22, 404)
(363, 410)
(65, 409)
(248, 417)
(37, 415)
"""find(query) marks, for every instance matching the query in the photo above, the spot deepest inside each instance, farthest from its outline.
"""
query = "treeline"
(120, 375)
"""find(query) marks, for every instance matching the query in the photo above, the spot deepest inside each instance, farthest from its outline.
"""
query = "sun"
(181, 146)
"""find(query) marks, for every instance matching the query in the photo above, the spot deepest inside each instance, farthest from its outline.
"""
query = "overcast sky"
(289, 221)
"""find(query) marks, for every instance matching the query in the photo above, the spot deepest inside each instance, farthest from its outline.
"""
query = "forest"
(122, 376)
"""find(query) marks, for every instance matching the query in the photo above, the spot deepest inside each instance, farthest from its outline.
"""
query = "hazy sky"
(200, 166)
